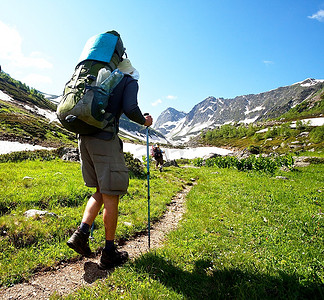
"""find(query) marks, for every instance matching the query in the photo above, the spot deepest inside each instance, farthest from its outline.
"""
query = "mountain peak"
(167, 119)
(213, 112)
(309, 82)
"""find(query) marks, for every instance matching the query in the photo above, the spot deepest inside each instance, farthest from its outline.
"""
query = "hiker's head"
(126, 67)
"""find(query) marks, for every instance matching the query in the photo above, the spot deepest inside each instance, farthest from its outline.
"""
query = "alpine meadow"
(162, 150)
(253, 224)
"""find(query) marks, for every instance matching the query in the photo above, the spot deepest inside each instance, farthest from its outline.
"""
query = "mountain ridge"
(213, 112)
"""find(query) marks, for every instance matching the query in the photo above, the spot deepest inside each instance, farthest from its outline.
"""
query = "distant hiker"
(103, 167)
(157, 153)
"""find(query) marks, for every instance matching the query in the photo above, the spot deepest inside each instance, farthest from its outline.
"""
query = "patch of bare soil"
(68, 277)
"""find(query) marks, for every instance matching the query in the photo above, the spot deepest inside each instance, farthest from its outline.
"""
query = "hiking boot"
(112, 258)
(79, 242)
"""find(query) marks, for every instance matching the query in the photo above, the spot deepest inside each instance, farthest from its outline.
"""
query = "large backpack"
(83, 104)
(156, 152)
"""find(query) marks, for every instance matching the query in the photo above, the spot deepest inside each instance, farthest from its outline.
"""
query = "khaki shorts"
(103, 165)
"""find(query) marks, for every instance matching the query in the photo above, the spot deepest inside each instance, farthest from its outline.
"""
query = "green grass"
(245, 235)
(27, 245)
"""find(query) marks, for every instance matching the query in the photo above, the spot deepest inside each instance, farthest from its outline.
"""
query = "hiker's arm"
(130, 105)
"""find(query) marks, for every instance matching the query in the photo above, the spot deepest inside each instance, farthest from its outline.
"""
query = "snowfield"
(137, 150)
(8, 147)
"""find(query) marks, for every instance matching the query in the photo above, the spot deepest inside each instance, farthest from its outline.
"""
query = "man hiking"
(103, 167)
(157, 153)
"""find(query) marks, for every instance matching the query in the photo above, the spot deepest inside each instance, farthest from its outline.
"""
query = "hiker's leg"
(110, 256)
(110, 215)
(93, 207)
(79, 241)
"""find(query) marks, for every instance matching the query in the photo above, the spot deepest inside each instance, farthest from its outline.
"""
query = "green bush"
(254, 149)
(317, 134)
(266, 164)
(30, 155)
(136, 168)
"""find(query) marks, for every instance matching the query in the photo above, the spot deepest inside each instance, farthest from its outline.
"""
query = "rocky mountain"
(167, 120)
(213, 112)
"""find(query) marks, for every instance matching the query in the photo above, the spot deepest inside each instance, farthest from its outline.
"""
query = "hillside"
(300, 100)
(28, 116)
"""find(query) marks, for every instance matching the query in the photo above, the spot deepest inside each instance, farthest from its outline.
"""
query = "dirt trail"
(68, 277)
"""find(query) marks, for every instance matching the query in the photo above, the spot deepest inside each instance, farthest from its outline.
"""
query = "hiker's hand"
(148, 120)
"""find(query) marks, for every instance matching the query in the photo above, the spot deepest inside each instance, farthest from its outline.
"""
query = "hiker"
(103, 167)
(157, 153)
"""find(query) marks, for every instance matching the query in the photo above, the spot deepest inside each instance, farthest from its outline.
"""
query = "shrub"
(254, 149)
(265, 164)
(136, 168)
(30, 155)
(317, 134)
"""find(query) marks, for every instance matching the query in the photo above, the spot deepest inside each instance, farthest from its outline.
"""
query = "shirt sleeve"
(130, 104)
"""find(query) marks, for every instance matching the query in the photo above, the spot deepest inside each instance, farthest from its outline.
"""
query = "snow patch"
(203, 109)
(248, 121)
(312, 122)
(5, 97)
(8, 147)
(50, 115)
(139, 151)
(258, 108)
(310, 82)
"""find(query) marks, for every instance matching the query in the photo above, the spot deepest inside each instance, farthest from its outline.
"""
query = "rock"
(35, 212)
(305, 133)
(70, 154)
(242, 153)
(171, 163)
(211, 155)
(301, 161)
(282, 177)
(28, 181)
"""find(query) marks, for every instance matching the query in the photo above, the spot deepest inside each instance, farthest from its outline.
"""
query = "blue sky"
(184, 51)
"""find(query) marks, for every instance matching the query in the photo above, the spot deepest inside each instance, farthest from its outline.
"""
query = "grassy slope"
(251, 236)
(19, 124)
(244, 233)
(57, 186)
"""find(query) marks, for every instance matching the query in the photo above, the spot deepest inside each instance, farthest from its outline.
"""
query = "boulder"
(171, 163)
(35, 212)
(70, 154)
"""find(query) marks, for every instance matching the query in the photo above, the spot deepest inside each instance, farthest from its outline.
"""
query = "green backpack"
(84, 100)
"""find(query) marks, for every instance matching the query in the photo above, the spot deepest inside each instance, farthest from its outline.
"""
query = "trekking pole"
(148, 186)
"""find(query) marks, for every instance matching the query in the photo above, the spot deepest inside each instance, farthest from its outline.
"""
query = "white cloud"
(268, 62)
(11, 50)
(157, 102)
(319, 16)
